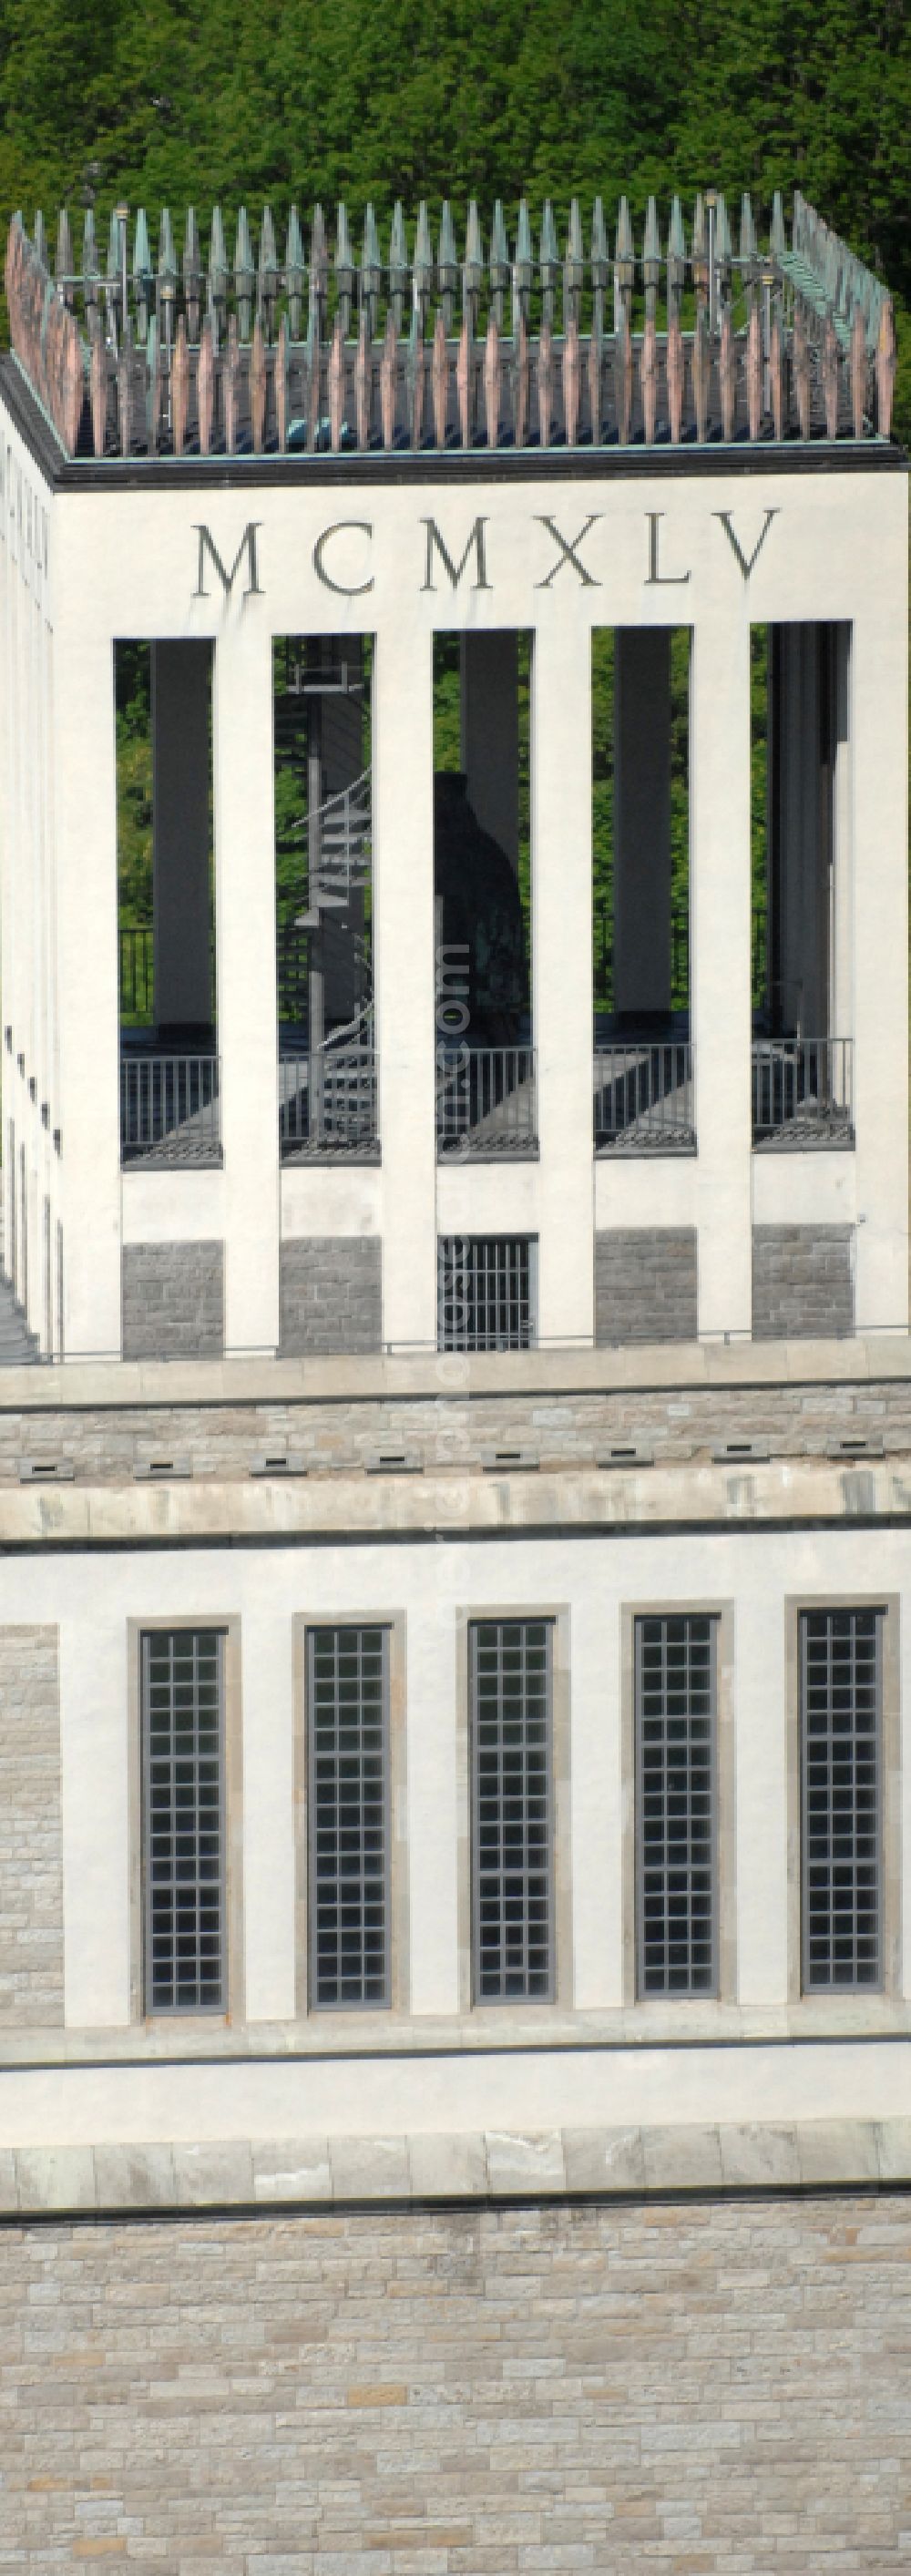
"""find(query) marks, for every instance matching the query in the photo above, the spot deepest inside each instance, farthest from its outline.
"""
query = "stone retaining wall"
(173, 1301)
(803, 1281)
(330, 1292)
(31, 1869)
(645, 1284)
(678, 1422)
(701, 2386)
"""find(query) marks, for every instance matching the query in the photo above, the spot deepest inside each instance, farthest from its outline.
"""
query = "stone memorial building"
(455, 1441)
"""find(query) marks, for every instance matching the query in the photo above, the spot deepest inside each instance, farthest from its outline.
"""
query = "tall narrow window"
(348, 1806)
(512, 1830)
(841, 1698)
(184, 1820)
(675, 1804)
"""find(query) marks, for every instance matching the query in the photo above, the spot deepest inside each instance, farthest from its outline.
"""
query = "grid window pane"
(348, 1801)
(511, 1810)
(484, 1292)
(675, 1801)
(841, 1662)
(183, 1820)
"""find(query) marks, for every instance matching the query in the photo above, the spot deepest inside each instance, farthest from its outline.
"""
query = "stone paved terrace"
(692, 329)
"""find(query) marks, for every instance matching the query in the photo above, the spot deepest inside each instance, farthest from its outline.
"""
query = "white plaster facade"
(103, 563)
(706, 545)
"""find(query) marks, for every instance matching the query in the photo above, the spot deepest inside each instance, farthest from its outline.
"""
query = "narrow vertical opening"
(483, 893)
(166, 901)
(801, 947)
(641, 887)
(322, 699)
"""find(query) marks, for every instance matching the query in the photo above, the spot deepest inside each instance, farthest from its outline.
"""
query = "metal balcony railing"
(327, 1104)
(643, 1097)
(169, 1110)
(486, 1102)
(803, 1092)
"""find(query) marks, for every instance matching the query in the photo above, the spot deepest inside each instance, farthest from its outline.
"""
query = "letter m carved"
(455, 570)
(246, 547)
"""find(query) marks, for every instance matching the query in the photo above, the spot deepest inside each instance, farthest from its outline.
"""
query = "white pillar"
(85, 805)
(180, 833)
(720, 965)
(642, 819)
(245, 948)
(561, 865)
(490, 733)
(404, 976)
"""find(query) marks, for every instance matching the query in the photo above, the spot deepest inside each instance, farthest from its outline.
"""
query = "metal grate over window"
(675, 1804)
(511, 1810)
(348, 1806)
(183, 1820)
(841, 1664)
(485, 1292)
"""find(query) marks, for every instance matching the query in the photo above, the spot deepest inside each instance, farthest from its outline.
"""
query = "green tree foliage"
(180, 102)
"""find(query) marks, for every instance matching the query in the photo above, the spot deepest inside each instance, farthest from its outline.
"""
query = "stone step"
(18, 1347)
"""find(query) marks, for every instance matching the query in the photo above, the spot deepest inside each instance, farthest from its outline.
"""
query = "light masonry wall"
(330, 1289)
(645, 1284)
(173, 1301)
(803, 1281)
(709, 2386)
(31, 1875)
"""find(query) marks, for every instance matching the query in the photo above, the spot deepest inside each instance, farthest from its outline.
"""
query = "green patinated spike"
(344, 255)
(243, 257)
(524, 250)
(474, 252)
(575, 256)
(747, 230)
(39, 238)
(624, 249)
(142, 256)
(722, 235)
(651, 246)
(318, 252)
(699, 230)
(114, 248)
(268, 257)
(64, 260)
(777, 237)
(218, 259)
(600, 260)
(676, 239)
(294, 272)
(90, 268)
(550, 256)
(371, 265)
(423, 252)
(499, 251)
(167, 255)
(398, 251)
(192, 257)
(447, 262)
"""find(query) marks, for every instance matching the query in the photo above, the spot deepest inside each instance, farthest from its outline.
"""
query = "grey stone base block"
(645, 1284)
(330, 1294)
(173, 1301)
(803, 1282)
(556, 2164)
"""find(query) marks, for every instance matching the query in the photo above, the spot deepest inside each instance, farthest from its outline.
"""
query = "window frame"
(724, 1988)
(394, 1627)
(338, 1630)
(470, 1348)
(232, 2008)
(812, 1999)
